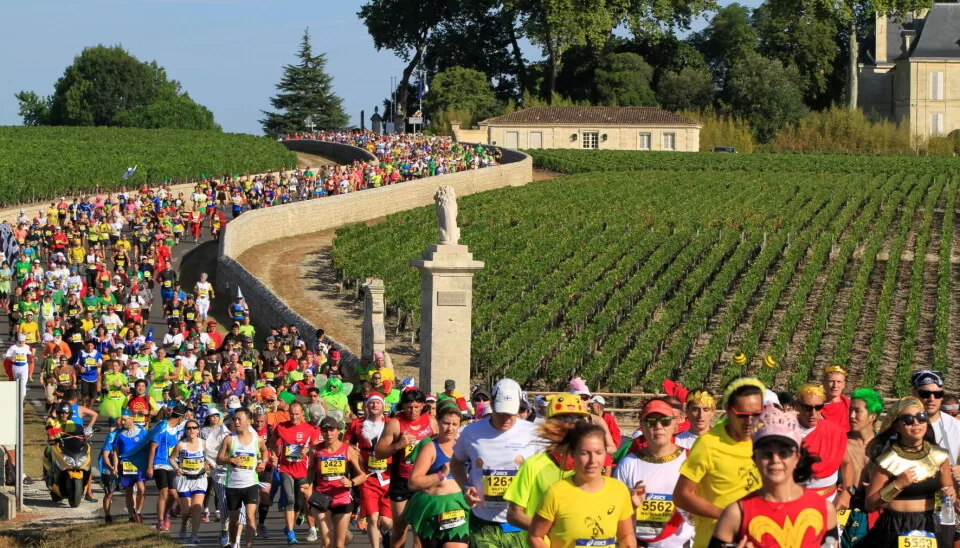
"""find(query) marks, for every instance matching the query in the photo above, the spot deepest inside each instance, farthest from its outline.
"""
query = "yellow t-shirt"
(585, 519)
(535, 476)
(724, 472)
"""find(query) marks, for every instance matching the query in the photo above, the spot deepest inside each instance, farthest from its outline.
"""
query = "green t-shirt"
(534, 477)
(247, 331)
(160, 369)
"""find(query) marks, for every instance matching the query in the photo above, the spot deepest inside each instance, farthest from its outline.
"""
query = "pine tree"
(305, 90)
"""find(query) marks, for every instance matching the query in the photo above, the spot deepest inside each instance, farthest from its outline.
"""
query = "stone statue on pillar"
(446, 199)
(446, 301)
(373, 336)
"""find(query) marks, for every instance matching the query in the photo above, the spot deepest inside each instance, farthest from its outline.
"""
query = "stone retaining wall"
(344, 154)
(260, 226)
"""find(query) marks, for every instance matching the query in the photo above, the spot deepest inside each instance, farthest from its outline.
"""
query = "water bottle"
(829, 542)
(947, 515)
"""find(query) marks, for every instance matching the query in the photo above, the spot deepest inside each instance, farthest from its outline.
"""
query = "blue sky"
(228, 54)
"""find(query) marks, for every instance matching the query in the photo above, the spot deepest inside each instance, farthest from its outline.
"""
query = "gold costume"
(926, 462)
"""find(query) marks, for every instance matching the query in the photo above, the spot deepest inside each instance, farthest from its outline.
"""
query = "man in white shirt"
(21, 356)
(928, 387)
(485, 460)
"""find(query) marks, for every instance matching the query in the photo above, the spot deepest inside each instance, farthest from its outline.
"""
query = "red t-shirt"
(290, 365)
(295, 442)
(371, 464)
(838, 412)
(766, 525)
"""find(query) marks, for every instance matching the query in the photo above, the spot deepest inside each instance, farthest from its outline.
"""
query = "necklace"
(661, 460)
(912, 453)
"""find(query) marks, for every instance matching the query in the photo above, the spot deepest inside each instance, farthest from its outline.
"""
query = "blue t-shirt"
(108, 447)
(92, 361)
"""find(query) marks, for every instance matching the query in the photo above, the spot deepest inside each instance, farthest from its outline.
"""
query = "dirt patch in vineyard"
(312, 160)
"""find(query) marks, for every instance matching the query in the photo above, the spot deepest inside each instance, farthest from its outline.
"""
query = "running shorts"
(242, 496)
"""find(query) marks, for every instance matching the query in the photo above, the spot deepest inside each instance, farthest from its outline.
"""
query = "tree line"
(769, 65)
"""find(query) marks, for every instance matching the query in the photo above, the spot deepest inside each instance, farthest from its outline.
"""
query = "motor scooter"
(67, 467)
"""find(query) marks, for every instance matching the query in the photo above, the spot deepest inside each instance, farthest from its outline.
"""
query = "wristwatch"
(850, 489)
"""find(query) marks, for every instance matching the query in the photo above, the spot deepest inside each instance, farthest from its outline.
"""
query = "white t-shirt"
(493, 458)
(947, 431)
(686, 439)
(659, 480)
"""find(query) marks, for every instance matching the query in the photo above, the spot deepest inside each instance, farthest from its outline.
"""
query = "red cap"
(659, 407)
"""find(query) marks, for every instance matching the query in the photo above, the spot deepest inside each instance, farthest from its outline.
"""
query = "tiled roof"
(595, 116)
(938, 39)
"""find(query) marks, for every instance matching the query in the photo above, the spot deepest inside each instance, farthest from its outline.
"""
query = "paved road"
(209, 532)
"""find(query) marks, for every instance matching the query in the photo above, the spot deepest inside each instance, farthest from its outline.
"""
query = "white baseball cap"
(506, 397)
(770, 398)
(598, 399)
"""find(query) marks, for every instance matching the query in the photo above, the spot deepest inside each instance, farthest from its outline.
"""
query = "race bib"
(248, 461)
(206, 398)
(654, 512)
(843, 517)
(161, 384)
(115, 394)
(140, 419)
(451, 519)
(247, 364)
(376, 465)
(192, 466)
(191, 315)
(128, 468)
(20, 358)
(917, 539)
(333, 468)
(495, 484)
(293, 453)
(64, 378)
(167, 283)
(269, 375)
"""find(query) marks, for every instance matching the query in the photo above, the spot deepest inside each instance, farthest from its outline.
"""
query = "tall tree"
(689, 89)
(103, 85)
(727, 40)
(305, 90)
(766, 94)
(558, 25)
(802, 34)
(404, 27)
(461, 89)
(623, 79)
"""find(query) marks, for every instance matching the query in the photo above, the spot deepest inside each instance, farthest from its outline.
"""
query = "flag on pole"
(129, 172)
(422, 87)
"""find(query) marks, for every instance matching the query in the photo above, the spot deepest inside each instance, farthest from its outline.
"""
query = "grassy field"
(91, 535)
(46, 162)
(669, 267)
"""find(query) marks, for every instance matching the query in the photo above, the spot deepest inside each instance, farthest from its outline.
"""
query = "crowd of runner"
(268, 433)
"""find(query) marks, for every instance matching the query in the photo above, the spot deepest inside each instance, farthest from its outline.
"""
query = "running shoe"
(108, 519)
(300, 518)
(195, 539)
(262, 531)
(224, 539)
(160, 526)
(139, 517)
(89, 498)
(183, 534)
(291, 537)
(175, 513)
(165, 525)
(216, 517)
(206, 516)
(312, 535)
(133, 518)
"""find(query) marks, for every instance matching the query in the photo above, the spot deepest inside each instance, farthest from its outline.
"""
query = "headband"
(811, 389)
(740, 383)
(702, 397)
(834, 369)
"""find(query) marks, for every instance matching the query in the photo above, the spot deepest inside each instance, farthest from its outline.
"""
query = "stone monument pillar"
(446, 302)
(376, 122)
(373, 333)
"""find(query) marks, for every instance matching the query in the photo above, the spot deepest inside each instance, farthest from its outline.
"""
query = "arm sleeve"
(548, 506)
(697, 463)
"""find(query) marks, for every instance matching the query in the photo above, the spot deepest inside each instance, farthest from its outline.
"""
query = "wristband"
(889, 492)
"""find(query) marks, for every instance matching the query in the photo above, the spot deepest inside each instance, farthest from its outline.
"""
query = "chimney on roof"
(880, 38)
(907, 36)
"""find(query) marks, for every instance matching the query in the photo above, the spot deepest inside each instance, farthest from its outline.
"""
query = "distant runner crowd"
(227, 425)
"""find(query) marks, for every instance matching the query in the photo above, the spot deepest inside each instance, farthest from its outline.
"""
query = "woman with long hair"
(190, 467)
(437, 512)
(782, 513)
(588, 508)
(337, 471)
(910, 469)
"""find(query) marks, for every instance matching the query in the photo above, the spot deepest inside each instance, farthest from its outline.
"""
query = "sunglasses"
(746, 415)
(936, 394)
(481, 398)
(908, 420)
(767, 453)
(270, 401)
(192, 428)
(810, 408)
(662, 421)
